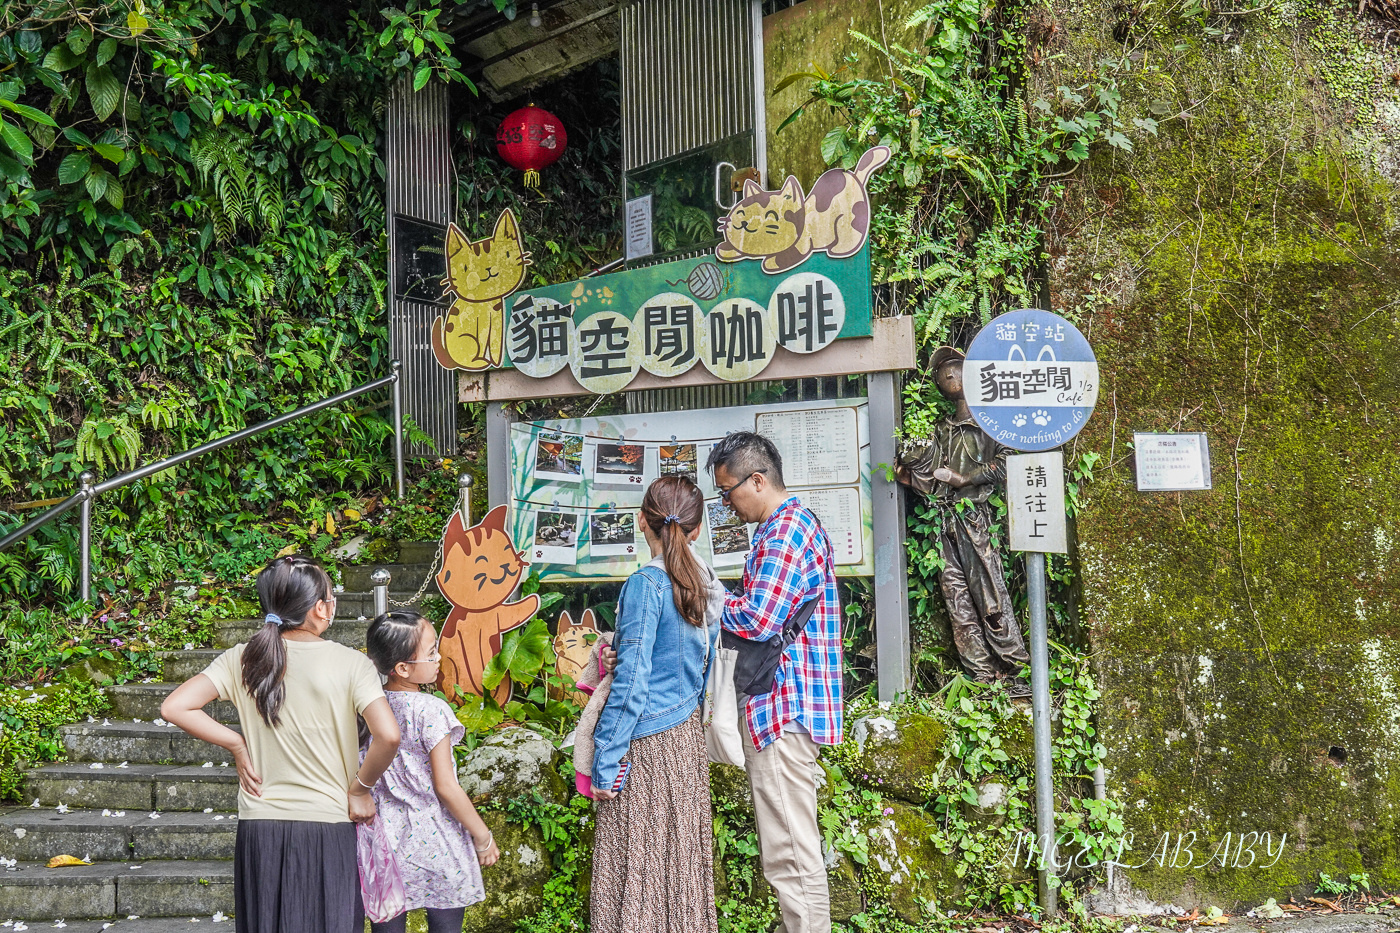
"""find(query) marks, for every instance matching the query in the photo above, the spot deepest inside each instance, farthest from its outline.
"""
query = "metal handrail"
(89, 490)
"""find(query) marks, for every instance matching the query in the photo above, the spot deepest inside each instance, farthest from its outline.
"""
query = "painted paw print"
(1041, 417)
(1019, 421)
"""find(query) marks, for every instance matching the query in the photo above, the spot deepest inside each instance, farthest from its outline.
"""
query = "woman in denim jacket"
(652, 863)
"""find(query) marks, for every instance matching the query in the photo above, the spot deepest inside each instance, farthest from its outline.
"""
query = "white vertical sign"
(638, 227)
(1035, 502)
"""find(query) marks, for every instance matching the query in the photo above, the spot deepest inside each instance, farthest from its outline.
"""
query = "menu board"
(819, 445)
(839, 512)
(577, 484)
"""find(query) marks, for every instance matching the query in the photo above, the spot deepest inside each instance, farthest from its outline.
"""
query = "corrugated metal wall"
(418, 163)
(731, 394)
(689, 69)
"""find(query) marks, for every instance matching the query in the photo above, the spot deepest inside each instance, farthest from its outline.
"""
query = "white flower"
(32, 806)
(96, 766)
(133, 867)
(219, 916)
(155, 816)
(20, 926)
(122, 765)
(219, 817)
(62, 808)
(106, 812)
(59, 924)
(207, 764)
(159, 722)
(119, 813)
(136, 720)
(208, 809)
(105, 723)
(189, 646)
(223, 764)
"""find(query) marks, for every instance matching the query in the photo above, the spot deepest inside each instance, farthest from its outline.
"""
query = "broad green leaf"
(114, 194)
(18, 141)
(106, 50)
(791, 118)
(61, 58)
(834, 145)
(181, 122)
(109, 152)
(478, 715)
(137, 23)
(73, 167)
(913, 174)
(421, 76)
(79, 38)
(96, 182)
(28, 112)
(104, 91)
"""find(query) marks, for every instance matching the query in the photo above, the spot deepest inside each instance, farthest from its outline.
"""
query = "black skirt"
(291, 876)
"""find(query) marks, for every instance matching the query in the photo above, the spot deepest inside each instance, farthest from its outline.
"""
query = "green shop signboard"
(664, 319)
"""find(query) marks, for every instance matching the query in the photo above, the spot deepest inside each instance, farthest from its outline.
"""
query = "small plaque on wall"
(1171, 462)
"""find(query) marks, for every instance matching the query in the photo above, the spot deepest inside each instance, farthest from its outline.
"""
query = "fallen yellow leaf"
(330, 524)
(64, 861)
(289, 549)
(352, 514)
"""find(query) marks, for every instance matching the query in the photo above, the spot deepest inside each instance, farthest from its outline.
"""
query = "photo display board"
(576, 485)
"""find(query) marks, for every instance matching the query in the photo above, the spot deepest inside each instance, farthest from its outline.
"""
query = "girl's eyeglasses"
(430, 659)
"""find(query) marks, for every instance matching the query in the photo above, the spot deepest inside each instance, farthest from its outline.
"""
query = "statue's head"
(948, 372)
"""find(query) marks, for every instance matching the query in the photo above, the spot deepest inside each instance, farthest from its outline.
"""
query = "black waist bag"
(756, 662)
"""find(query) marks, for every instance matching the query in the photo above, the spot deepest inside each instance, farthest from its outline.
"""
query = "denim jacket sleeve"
(638, 609)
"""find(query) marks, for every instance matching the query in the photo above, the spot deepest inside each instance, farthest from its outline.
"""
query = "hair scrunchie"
(671, 518)
(273, 618)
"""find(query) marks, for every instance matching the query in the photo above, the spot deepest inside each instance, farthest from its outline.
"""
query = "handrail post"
(397, 367)
(85, 484)
(379, 580)
(464, 491)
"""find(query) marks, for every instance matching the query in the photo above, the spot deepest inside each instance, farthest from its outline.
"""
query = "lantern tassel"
(532, 180)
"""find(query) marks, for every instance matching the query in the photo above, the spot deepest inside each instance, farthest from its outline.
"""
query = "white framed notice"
(614, 534)
(819, 446)
(555, 537)
(839, 512)
(1171, 462)
(1035, 502)
(621, 464)
(638, 227)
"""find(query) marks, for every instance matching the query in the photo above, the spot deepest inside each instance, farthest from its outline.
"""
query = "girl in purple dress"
(441, 841)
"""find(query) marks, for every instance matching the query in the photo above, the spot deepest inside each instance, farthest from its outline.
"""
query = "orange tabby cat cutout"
(571, 648)
(480, 274)
(480, 569)
(784, 227)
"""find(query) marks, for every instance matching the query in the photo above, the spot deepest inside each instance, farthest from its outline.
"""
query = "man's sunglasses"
(724, 491)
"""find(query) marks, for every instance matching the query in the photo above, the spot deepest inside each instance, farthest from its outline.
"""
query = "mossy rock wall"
(1237, 274)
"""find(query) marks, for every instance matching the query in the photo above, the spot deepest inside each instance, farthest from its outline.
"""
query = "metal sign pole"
(1040, 715)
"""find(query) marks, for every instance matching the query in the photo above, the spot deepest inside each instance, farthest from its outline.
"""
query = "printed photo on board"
(679, 460)
(612, 534)
(729, 536)
(559, 457)
(620, 465)
(556, 538)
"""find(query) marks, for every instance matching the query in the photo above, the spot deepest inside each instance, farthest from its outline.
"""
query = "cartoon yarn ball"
(705, 281)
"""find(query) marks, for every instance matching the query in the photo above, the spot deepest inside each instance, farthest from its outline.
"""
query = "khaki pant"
(789, 837)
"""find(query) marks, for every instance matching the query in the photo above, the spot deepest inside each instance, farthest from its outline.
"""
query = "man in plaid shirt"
(790, 562)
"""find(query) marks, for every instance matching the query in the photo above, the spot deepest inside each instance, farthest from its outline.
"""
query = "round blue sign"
(1031, 380)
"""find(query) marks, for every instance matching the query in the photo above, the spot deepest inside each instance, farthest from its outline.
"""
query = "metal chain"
(432, 572)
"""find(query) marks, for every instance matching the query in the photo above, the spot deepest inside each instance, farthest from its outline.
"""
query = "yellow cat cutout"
(784, 228)
(571, 648)
(470, 335)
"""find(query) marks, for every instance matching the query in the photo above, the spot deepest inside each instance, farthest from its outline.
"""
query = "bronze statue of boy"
(958, 469)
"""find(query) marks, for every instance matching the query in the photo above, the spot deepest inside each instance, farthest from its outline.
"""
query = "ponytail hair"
(673, 508)
(392, 639)
(288, 589)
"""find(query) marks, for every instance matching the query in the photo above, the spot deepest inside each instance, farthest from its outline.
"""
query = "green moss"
(1241, 269)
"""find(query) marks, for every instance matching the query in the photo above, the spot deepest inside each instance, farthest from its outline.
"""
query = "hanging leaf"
(477, 714)
(106, 50)
(421, 76)
(96, 182)
(114, 194)
(834, 145)
(109, 152)
(61, 58)
(28, 112)
(137, 23)
(19, 143)
(73, 167)
(104, 91)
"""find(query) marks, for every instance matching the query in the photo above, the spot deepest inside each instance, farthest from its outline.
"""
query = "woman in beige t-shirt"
(301, 786)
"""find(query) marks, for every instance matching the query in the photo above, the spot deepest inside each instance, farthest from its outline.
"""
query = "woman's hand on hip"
(248, 778)
(361, 807)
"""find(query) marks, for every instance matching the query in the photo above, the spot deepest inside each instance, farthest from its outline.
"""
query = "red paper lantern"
(531, 139)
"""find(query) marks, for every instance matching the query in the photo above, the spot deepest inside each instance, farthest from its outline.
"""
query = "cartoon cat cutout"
(470, 335)
(784, 228)
(480, 569)
(571, 648)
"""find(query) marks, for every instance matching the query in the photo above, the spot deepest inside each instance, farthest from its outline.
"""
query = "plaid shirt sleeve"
(791, 560)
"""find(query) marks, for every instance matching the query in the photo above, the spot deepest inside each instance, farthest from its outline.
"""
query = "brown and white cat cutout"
(785, 227)
(571, 647)
(480, 569)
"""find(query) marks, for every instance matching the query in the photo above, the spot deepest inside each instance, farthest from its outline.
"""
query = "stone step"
(180, 666)
(403, 578)
(349, 632)
(136, 742)
(38, 835)
(137, 787)
(142, 701)
(176, 924)
(165, 888)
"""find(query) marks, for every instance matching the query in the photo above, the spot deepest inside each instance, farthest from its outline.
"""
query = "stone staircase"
(153, 809)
